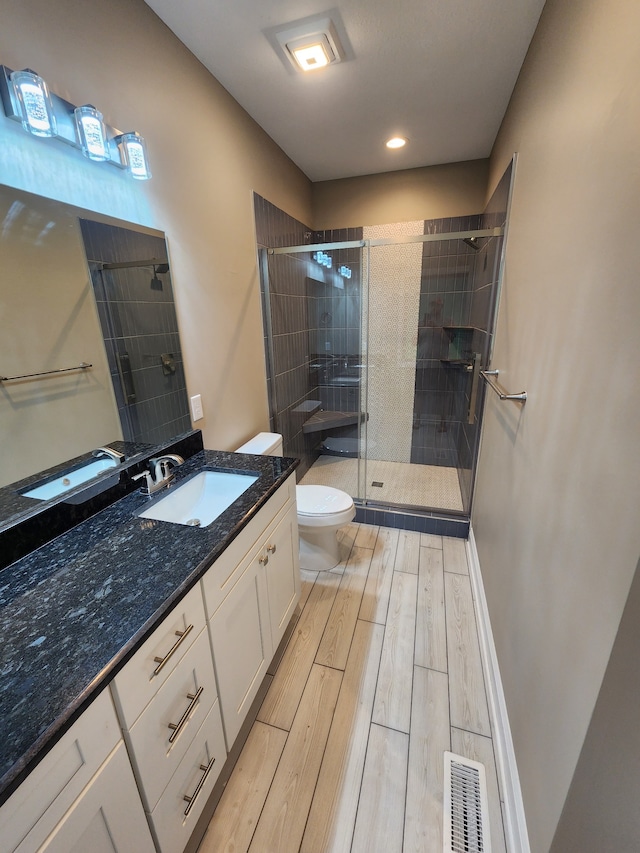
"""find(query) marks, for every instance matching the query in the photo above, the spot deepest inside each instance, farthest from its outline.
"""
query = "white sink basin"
(201, 499)
(70, 479)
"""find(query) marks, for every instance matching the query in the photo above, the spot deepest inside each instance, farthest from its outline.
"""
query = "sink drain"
(193, 522)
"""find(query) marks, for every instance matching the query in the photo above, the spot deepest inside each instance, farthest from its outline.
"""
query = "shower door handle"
(475, 378)
(126, 377)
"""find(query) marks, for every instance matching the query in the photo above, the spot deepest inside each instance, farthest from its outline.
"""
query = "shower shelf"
(332, 420)
(455, 362)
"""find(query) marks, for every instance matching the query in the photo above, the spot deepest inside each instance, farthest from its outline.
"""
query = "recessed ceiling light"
(396, 142)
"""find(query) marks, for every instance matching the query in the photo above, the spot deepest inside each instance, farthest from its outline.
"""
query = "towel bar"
(82, 366)
(487, 374)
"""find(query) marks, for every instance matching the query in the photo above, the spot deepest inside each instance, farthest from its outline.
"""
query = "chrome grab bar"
(486, 374)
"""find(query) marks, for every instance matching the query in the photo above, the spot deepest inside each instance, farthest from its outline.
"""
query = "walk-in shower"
(374, 347)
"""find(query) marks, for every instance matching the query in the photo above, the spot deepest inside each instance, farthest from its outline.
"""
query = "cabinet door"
(108, 815)
(242, 649)
(31, 813)
(282, 574)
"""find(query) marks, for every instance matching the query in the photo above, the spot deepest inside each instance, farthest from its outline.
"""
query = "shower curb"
(418, 522)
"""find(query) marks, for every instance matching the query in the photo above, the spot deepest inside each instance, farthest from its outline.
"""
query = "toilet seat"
(323, 506)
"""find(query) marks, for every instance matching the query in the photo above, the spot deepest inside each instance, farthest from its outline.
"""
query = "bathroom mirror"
(89, 346)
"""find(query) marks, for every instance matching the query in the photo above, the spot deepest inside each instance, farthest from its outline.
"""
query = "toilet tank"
(263, 444)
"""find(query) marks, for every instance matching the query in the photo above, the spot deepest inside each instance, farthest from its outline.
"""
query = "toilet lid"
(321, 500)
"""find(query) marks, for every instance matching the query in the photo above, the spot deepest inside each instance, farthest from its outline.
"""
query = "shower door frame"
(363, 498)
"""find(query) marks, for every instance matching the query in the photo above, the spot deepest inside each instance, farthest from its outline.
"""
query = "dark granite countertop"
(75, 610)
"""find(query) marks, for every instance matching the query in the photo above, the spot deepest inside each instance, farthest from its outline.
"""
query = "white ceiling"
(439, 72)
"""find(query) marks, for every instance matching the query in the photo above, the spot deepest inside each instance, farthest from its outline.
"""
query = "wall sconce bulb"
(92, 134)
(133, 150)
(36, 109)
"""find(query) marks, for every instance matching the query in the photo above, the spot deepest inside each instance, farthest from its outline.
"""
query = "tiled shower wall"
(444, 342)
(312, 325)
(139, 325)
(393, 273)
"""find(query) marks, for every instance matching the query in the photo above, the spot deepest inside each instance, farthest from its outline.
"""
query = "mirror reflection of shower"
(132, 285)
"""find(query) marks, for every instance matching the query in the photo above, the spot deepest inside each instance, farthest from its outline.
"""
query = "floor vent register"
(466, 815)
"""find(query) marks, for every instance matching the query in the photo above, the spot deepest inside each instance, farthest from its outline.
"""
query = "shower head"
(473, 242)
(161, 268)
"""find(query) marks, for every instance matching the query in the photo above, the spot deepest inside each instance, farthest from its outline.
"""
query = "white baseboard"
(516, 836)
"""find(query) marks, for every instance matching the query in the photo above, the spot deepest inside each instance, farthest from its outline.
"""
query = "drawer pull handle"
(181, 635)
(191, 799)
(271, 549)
(264, 559)
(177, 727)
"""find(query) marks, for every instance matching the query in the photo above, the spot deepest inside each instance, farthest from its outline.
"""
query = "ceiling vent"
(310, 43)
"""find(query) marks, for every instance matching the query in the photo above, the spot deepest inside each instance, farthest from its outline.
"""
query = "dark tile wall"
(315, 325)
(444, 342)
(140, 329)
(285, 296)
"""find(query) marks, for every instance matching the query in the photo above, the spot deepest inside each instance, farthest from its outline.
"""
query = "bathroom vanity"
(132, 651)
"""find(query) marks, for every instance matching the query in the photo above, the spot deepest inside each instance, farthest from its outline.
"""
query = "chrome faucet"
(162, 474)
(107, 451)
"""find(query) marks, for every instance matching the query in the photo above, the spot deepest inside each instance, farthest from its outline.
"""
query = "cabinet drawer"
(107, 817)
(30, 814)
(221, 577)
(185, 700)
(171, 826)
(156, 659)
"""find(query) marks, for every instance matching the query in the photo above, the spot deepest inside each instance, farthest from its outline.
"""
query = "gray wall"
(556, 508)
(601, 812)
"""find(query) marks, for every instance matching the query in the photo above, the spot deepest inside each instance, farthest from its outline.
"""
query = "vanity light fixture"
(26, 98)
(34, 101)
(133, 150)
(396, 142)
(92, 133)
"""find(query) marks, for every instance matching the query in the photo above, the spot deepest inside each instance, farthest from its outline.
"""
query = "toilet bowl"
(322, 511)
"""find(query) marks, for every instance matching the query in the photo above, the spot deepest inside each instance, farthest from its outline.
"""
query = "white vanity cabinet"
(81, 796)
(168, 706)
(135, 771)
(250, 593)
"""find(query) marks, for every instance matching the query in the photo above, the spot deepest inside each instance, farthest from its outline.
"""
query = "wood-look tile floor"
(380, 676)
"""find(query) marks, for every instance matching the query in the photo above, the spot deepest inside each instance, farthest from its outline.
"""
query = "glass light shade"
(311, 56)
(36, 109)
(133, 150)
(92, 133)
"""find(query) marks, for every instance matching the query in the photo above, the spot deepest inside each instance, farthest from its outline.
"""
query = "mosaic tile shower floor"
(402, 483)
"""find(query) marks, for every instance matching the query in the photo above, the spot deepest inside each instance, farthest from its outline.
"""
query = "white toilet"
(322, 511)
